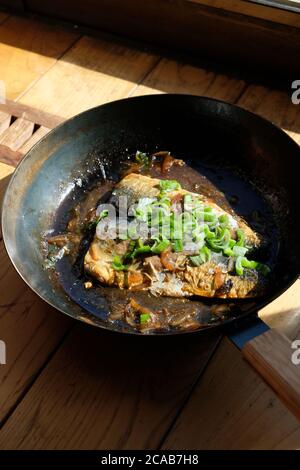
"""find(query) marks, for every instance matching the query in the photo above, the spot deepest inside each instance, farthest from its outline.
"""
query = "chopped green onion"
(188, 202)
(239, 250)
(240, 237)
(205, 254)
(232, 243)
(132, 231)
(123, 236)
(92, 224)
(221, 241)
(203, 257)
(143, 159)
(196, 260)
(243, 262)
(239, 269)
(118, 265)
(163, 198)
(160, 246)
(198, 234)
(207, 232)
(224, 220)
(169, 185)
(228, 251)
(263, 268)
(178, 245)
(103, 214)
(141, 248)
(144, 318)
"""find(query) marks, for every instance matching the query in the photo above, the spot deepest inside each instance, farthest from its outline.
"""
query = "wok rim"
(106, 326)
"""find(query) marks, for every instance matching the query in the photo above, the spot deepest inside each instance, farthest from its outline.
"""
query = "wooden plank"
(38, 134)
(274, 105)
(94, 71)
(283, 313)
(232, 408)
(8, 156)
(4, 121)
(210, 32)
(171, 76)
(30, 330)
(17, 134)
(244, 7)
(38, 116)
(270, 354)
(28, 48)
(106, 391)
(12, 157)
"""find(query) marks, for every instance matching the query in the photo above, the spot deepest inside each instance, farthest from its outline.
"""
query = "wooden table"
(70, 386)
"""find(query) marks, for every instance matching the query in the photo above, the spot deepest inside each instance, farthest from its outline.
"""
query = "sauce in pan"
(67, 250)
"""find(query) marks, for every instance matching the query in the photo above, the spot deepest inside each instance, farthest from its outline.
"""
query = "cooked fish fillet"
(211, 279)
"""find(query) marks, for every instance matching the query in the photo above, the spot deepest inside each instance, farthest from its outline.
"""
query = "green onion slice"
(239, 250)
(144, 318)
(243, 262)
(203, 257)
(160, 246)
(118, 265)
(169, 185)
(178, 245)
(141, 248)
(143, 159)
(240, 237)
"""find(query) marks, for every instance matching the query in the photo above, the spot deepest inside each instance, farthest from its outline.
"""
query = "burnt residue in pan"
(229, 189)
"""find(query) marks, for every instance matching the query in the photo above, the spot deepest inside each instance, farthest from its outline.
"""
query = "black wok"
(214, 137)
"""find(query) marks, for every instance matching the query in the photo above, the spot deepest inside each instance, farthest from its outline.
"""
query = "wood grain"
(209, 32)
(270, 354)
(38, 116)
(170, 76)
(5, 119)
(276, 15)
(28, 49)
(93, 72)
(16, 140)
(232, 408)
(38, 134)
(284, 312)
(8, 156)
(106, 391)
(17, 134)
(274, 105)
(30, 329)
